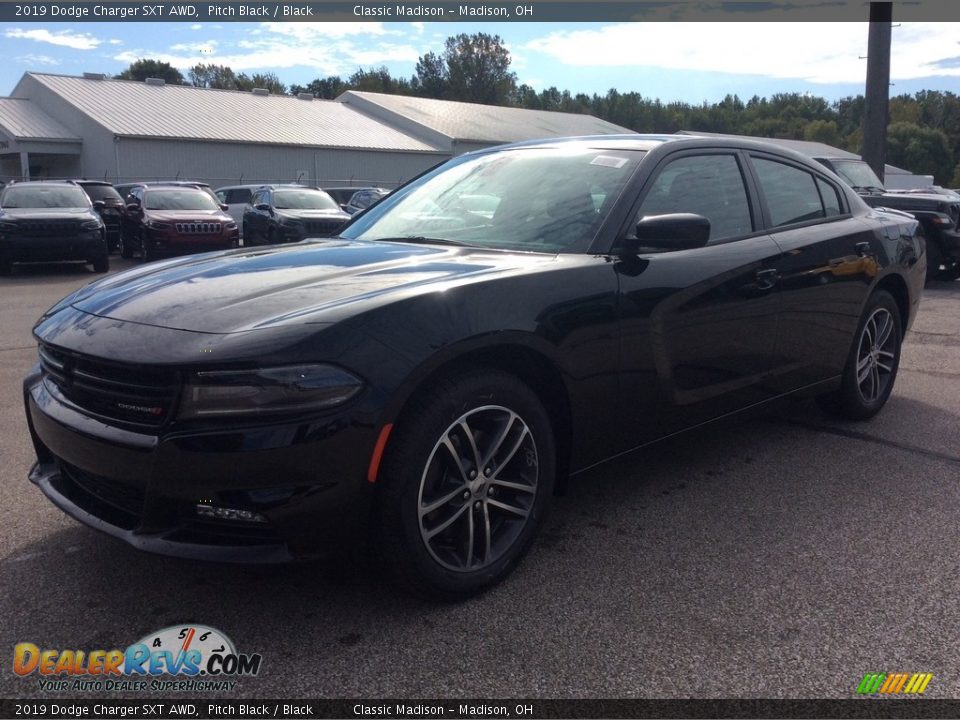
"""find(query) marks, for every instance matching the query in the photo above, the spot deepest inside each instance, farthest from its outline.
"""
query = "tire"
(934, 260)
(101, 264)
(6, 267)
(246, 236)
(871, 368)
(480, 523)
(145, 253)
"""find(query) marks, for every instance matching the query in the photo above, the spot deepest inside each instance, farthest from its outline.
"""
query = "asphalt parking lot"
(784, 556)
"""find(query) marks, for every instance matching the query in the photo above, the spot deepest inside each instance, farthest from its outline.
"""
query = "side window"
(708, 185)
(791, 193)
(831, 201)
(222, 196)
(257, 198)
(238, 196)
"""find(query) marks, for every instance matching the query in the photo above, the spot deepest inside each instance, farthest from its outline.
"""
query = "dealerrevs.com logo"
(198, 657)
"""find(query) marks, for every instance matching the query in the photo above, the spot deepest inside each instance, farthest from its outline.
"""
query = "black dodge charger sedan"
(430, 377)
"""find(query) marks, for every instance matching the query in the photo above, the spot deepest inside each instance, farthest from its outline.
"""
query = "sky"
(683, 61)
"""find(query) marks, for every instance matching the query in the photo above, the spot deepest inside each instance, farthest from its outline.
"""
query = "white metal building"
(56, 126)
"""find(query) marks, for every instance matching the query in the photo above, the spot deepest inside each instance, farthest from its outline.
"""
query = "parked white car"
(236, 197)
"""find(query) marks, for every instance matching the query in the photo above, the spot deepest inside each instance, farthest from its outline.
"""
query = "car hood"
(45, 214)
(313, 214)
(189, 215)
(911, 201)
(309, 282)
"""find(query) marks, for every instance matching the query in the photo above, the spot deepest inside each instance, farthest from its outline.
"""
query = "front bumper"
(163, 242)
(949, 242)
(82, 246)
(305, 479)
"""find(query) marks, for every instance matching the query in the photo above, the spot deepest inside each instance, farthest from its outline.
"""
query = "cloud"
(35, 60)
(814, 52)
(114, 41)
(64, 38)
(418, 26)
(196, 26)
(325, 48)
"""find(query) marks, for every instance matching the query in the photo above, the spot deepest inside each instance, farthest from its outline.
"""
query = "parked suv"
(176, 220)
(112, 211)
(236, 198)
(288, 213)
(938, 214)
(362, 199)
(44, 221)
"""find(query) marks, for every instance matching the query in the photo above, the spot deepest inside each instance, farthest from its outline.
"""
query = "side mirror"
(224, 206)
(99, 205)
(676, 231)
(133, 207)
(262, 206)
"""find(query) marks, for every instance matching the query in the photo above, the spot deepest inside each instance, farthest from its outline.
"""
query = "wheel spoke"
(874, 383)
(495, 447)
(437, 504)
(513, 486)
(470, 533)
(448, 444)
(863, 374)
(864, 363)
(522, 512)
(486, 534)
(446, 523)
(883, 333)
(885, 368)
(513, 451)
(473, 443)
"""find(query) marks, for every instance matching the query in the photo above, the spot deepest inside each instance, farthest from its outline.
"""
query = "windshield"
(44, 196)
(102, 192)
(179, 199)
(303, 200)
(536, 199)
(857, 173)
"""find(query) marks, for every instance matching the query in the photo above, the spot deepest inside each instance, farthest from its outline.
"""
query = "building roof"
(21, 119)
(133, 108)
(472, 122)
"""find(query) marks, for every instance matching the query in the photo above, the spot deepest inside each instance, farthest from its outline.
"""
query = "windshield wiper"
(420, 240)
(868, 188)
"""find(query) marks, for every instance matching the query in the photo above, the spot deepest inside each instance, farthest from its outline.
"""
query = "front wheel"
(872, 365)
(465, 483)
(934, 259)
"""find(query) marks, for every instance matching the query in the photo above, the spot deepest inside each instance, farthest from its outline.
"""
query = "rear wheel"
(101, 264)
(934, 259)
(465, 483)
(873, 362)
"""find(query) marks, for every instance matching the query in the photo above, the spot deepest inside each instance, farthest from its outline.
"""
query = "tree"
(430, 78)
(378, 80)
(220, 77)
(923, 151)
(824, 131)
(327, 88)
(147, 68)
(478, 69)
(269, 81)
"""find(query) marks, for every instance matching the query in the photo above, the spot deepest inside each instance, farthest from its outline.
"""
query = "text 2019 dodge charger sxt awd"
(433, 374)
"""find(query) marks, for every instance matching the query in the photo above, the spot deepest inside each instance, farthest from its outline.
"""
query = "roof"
(804, 147)
(133, 108)
(472, 122)
(23, 120)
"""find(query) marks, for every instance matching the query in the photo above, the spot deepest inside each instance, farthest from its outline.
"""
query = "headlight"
(218, 393)
(229, 225)
(155, 225)
(291, 222)
(91, 225)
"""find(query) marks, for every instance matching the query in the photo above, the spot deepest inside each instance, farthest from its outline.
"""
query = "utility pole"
(877, 103)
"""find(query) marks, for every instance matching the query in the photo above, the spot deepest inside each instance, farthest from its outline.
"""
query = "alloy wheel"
(478, 488)
(876, 355)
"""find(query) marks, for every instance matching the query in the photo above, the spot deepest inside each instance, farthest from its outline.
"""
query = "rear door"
(825, 272)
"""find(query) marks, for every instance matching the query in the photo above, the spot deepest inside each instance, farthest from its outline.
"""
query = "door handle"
(766, 279)
(862, 248)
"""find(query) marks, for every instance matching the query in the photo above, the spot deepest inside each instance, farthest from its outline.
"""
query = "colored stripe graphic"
(894, 683)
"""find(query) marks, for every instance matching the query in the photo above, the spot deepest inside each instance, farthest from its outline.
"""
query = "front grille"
(199, 228)
(48, 228)
(120, 496)
(135, 394)
(323, 227)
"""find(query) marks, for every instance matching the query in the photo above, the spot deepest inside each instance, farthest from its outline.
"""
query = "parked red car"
(176, 220)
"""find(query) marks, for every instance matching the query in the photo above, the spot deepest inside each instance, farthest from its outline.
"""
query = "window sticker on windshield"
(609, 161)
